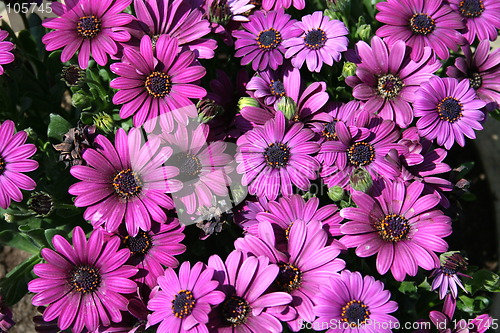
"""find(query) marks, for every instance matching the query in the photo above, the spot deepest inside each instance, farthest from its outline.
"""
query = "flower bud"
(336, 193)
(287, 106)
(104, 122)
(247, 101)
(361, 180)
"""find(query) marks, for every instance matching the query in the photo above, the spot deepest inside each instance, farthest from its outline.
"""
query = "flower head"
(449, 109)
(446, 277)
(275, 156)
(125, 182)
(322, 40)
(401, 225)
(244, 281)
(91, 26)
(387, 78)
(14, 160)
(482, 69)
(83, 285)
(277, 4)
(156, 84)
(355, 303)
(481, 18)
(184, 301)
(6, 57)
(419, 24)
(261, 41)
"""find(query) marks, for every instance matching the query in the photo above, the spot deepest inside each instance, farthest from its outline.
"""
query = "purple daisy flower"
(277, 4)
(449, 109)
(275, 156)
(357, 147)
(422, 163)
(82, 285)
(247, 216)
(387, 78)
(272, 86)
(282, 214)
(401, 225)
(481, 18)
(152, 249)
(482, 69)
(176, 19)
(223, 11)
(125, 182)
(6, 57)
(322, 40)
(355, 303)
(305, 264)
(14, 159)
(203, 168)
(420, 23)
(6, 321)
(261, 41)
(157, 83)
(244, 281)
(183, 302)
(446, 277)
(93, 27)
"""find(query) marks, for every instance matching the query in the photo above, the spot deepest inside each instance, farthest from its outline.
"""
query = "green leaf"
(15, 285)
(473, 305)
(484, 280)
(408, 287)
(58, 126)
(19, 241)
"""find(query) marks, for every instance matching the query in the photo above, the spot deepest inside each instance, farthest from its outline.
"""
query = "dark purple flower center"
(277, 155)
(329, 130)
(453, 264)
(422, 24)
(89, 26)
(355, 313)
(183, 303)
(140, 244)
(393, 228)
(389, 86)
(361, 154)
(235, 310)
(277, 88)
(448, 271)
(269, 39)
(127, 184)
(289, 277)
(475, 81)
(158, 84)
(85, 279)
(189, 166)
(450, 109)
(315, 39)
(471, 8)
(2, 165)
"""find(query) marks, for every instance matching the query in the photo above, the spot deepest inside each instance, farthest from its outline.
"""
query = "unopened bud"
(361, 180)
(336, 193)
(287, 106)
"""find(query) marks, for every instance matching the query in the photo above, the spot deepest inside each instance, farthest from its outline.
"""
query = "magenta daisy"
(401, 225)
(482, 69)
(244, 282)
(449, 109)
(322, 40)
(260, 43)
(481, 18)
(178, 20)
(387, 78)
(358, 147)
(82, 285)
(305, 264)
(277, 4)
(183, 302)
(152, 249)
(6, 57)
(247, 216)
(282, 214)
(223, 11)
(92, 27)
(14, 160)
(447, 276)
(125, 182)
(203, 167)
(421, 23)
(355, 304)
(156, 83)
(275, 156)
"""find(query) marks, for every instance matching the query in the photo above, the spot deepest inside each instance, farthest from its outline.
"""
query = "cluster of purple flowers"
(380, 148)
